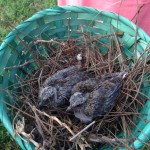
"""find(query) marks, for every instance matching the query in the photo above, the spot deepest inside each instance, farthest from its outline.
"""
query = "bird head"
(76, 101)
(47, 96)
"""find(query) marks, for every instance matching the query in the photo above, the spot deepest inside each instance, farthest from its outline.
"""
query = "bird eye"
(109, 77)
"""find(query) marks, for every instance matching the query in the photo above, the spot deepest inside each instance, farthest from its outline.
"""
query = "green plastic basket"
(53, 23)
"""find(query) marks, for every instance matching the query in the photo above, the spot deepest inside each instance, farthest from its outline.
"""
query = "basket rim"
(76, 9)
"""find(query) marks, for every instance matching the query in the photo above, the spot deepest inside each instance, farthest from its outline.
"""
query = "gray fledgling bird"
(95, 97)
(56, 90)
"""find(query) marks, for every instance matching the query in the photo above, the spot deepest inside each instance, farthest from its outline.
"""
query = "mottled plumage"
(56, 90)
(95, 97)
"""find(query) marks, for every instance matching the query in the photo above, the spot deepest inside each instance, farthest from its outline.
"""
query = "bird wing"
(84, 86)
(105, 97)
(61, 75)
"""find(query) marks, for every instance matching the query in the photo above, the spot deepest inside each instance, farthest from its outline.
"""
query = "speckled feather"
(56, 90)
(99, 96)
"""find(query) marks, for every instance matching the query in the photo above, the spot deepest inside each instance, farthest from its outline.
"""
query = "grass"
(6, 142)
(16, 12)
(19, 10)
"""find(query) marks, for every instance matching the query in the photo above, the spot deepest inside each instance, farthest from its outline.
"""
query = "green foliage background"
(19, 10)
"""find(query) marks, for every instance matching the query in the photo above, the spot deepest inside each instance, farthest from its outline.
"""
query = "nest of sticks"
(57, 129)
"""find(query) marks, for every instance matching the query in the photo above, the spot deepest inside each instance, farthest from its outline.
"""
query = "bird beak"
(68, 109)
